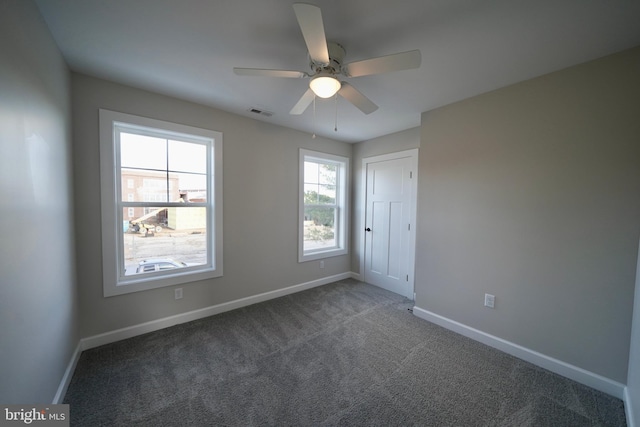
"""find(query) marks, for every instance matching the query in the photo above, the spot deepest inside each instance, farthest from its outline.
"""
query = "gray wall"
(392, 143)
(532, 193)
(260, 207)
(633, 377)
(37, 279)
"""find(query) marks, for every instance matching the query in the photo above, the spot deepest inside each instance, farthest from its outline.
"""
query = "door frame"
(413, 155)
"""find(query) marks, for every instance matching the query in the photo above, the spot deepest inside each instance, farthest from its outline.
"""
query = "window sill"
(145, 282)
(322, 255)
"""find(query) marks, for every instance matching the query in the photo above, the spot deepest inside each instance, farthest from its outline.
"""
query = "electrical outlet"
(178, 293)
(489, 300)
(321, 264)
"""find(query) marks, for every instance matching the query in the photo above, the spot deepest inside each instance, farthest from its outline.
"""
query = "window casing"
(323, 213)
(161, 203)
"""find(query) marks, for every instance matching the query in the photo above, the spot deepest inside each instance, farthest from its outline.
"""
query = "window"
(172, 233)
(323, 205)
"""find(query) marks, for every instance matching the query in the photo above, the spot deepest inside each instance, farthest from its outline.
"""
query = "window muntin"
(170, 231)
(323, 208)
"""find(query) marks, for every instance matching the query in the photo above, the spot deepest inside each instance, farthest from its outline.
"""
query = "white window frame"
(342, 197)
(114, 280)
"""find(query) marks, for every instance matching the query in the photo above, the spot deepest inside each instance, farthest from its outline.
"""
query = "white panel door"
(388, 249)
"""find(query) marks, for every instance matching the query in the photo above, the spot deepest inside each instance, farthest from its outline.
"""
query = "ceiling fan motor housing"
(336, 57)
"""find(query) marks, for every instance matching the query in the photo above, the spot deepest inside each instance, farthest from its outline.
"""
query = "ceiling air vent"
(260, 112)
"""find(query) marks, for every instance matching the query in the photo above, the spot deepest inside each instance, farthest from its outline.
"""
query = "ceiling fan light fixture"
(324, 86)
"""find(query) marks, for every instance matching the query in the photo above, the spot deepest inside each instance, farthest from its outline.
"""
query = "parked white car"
(158, 264)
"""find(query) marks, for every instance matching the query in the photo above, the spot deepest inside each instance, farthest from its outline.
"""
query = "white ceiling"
(188, 48)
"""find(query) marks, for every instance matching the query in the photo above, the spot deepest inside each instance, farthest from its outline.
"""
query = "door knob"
(367, 229)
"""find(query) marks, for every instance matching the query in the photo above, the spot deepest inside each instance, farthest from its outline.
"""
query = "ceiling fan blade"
(352, 95)
(385, 64)
(310, 21)
(269, 73)
(303, 103)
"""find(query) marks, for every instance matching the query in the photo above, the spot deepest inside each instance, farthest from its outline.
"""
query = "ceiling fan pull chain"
(335, 129)
(314, 118)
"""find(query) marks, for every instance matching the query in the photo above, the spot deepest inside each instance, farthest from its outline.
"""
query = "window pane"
(164, 239)
(311, 194)
(150, 186)
(327, 194)
(320, 183)
(327, 174)
(315, 194)
(319, 227)
(192, 187)
(187, 157)
(142, 152)
(310, 172)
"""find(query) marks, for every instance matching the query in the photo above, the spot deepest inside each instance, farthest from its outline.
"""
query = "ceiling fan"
(327, 67)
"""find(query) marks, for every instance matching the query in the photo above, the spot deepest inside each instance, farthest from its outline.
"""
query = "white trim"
(411, 261)
(68, 374)
(575, 373)
(628, 408)
(114, 280)
(155, 325)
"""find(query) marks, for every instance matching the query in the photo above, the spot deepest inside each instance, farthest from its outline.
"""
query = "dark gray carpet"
(341, 354)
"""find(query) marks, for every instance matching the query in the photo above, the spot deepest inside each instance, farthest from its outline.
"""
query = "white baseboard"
(356, 276)
(155, 325)
(68, 374)
(575, 373)
(628, 408)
